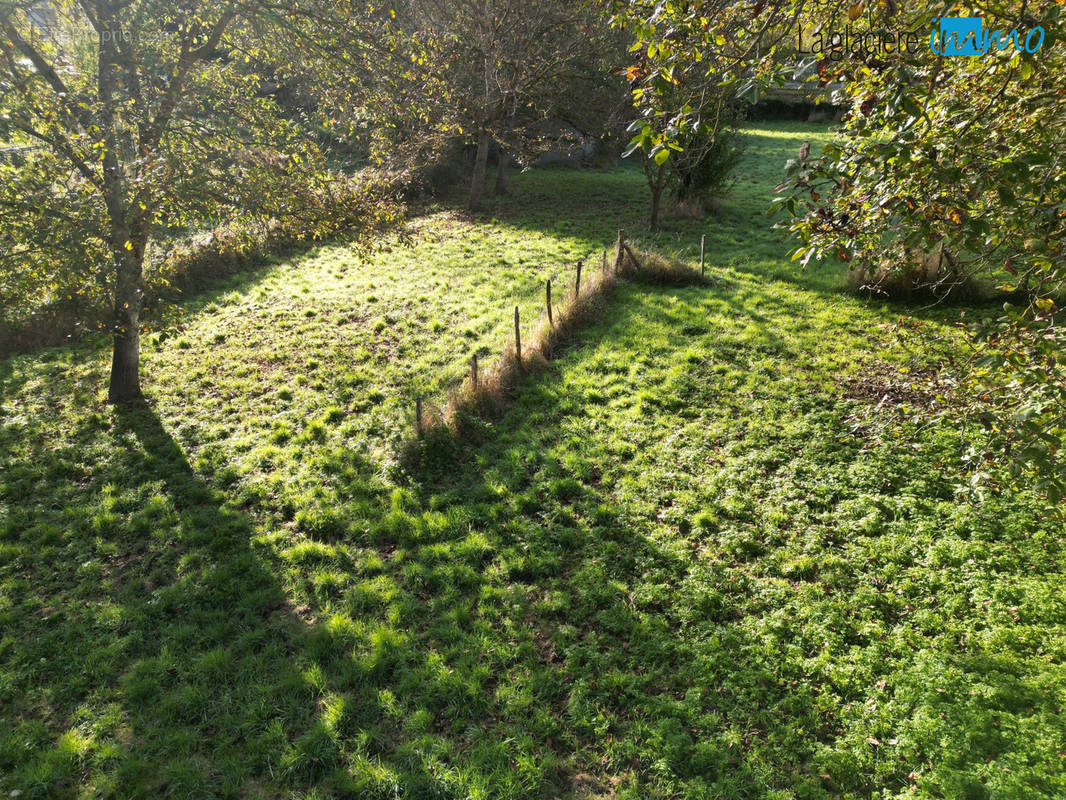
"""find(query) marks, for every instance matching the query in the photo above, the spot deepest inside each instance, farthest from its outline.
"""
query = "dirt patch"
(546, 647)
(588, 787)
(889, 386)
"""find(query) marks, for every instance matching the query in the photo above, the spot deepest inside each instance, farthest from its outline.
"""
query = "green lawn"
(701, 556)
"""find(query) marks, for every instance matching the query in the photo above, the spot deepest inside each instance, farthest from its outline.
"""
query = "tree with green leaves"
(684, 96)
(961, 158)
(149, 116)
(481, 71)
(696, 166)
(953, 155)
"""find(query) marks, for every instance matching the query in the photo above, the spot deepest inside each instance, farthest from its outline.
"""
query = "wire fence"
(570, 292)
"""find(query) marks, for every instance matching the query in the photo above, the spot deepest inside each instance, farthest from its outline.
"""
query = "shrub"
(703, 171)
(911, 276)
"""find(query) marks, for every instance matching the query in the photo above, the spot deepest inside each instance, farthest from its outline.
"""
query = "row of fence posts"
(620, 246)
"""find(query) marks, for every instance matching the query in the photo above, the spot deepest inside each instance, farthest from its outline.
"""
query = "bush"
(449, 169)
(915, 277)
(702, 171)
(337, 206)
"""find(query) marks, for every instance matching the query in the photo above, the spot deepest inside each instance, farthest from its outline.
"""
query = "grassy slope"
(686, 563)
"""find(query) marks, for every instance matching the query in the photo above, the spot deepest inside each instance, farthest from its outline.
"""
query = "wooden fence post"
(577, 282)
(618, 250)
(703, 250)
(418, 415)
(605, 262)
(517, 338)
(473, 371)
(548, 301)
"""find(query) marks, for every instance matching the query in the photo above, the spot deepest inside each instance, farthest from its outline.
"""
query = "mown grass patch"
(688, 560)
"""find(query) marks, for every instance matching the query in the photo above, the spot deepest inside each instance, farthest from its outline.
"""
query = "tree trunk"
(481, 160)
(503, 177)
(125, 382)
(125, 361)
(477, 184)
(128, 237)
(656, 194)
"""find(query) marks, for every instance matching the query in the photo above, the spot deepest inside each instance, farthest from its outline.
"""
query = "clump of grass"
(915, 278)
(656, 269)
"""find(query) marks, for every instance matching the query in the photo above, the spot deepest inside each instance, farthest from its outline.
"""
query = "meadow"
(719, 548)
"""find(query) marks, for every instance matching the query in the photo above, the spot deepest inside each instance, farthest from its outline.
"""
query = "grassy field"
(704, 555)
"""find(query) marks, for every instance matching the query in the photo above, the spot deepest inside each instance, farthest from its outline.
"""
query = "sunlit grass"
(688, 561)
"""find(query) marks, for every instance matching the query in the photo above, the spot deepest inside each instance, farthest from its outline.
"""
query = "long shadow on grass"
(680, 661)
(150, 649)
(597, 685)
(600, 685)
(139, 623)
